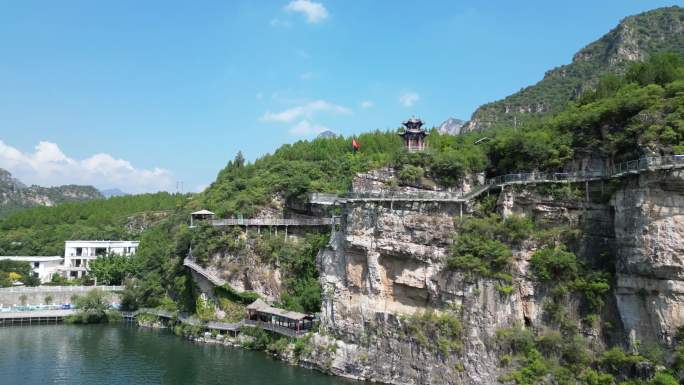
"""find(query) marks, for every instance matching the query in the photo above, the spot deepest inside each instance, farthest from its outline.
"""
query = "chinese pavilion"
(414, 135)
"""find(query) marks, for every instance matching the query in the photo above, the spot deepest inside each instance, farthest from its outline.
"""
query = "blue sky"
(141, 94)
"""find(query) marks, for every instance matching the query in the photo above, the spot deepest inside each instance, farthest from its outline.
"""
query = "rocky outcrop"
(387, 263)
(649, 229)
(451, 126)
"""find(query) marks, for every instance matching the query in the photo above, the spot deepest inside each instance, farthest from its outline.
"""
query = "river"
(127, 355)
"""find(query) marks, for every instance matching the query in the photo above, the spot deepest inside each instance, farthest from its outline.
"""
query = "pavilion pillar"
(586, 189)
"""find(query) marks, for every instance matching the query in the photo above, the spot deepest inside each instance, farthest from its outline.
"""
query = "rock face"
(451, 126)
(387, 263)
(15, 195)
(634, 38)
(649, 229)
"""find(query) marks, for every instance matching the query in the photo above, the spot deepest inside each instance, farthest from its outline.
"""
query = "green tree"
(113, 269)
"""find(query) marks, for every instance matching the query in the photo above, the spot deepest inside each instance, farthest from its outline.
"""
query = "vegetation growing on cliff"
(568, 358)
(435, 331)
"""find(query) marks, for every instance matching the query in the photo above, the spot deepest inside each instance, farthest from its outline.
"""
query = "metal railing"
(40, 289)
(633, 166)
(647, 163)
(544, 177)
(418, 195)
(275, 328)
(225, 325)
(275, 222)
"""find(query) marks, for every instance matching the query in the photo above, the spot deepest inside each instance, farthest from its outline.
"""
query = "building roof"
(413, 120)
(104, 242)
(202, 212)
(262, 307)
(31, 258)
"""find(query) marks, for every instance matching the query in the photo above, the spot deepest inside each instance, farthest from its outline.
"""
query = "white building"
(78, 254)
(42, 267)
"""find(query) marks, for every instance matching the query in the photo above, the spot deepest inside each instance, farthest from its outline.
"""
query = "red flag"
(356, 145)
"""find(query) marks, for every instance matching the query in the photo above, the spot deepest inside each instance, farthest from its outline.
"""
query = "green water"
(120, 354)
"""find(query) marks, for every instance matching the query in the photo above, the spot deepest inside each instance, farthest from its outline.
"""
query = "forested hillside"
(14, 195)
(634, 39)
(43, 230)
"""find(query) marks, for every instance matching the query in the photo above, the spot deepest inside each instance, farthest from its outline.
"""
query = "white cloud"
(314, 12)
(306, 110)
(367, 104)
(408, 98)
(306, 128)
(49, 166)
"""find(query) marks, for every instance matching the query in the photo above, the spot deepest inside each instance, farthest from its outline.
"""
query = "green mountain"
(634, 39)
(15, 195)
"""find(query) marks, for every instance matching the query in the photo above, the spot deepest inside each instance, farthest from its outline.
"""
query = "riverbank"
(297, 352)
(124, 354)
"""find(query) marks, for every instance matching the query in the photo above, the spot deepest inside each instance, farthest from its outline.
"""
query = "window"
(36, 265)
(79, 251)
(73, 274)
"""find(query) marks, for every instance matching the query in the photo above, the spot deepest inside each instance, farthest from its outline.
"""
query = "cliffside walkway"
(275, 222)
(620, 170)
(213, 278)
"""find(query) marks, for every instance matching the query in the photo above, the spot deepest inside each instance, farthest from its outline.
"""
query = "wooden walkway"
(213, 325)
(34, 317)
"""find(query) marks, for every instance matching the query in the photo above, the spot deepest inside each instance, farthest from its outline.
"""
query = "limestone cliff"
(649, 230)
(387, 262)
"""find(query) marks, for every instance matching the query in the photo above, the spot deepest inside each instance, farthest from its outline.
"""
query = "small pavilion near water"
(260, 311)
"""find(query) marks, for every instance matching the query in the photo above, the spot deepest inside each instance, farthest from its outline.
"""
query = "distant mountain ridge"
(634, 39)
(15, 195)
(451, 126)
(113, 192)
(326, 134)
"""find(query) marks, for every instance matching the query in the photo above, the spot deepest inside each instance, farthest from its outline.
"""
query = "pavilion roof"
(262, 307)
(203, 212)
